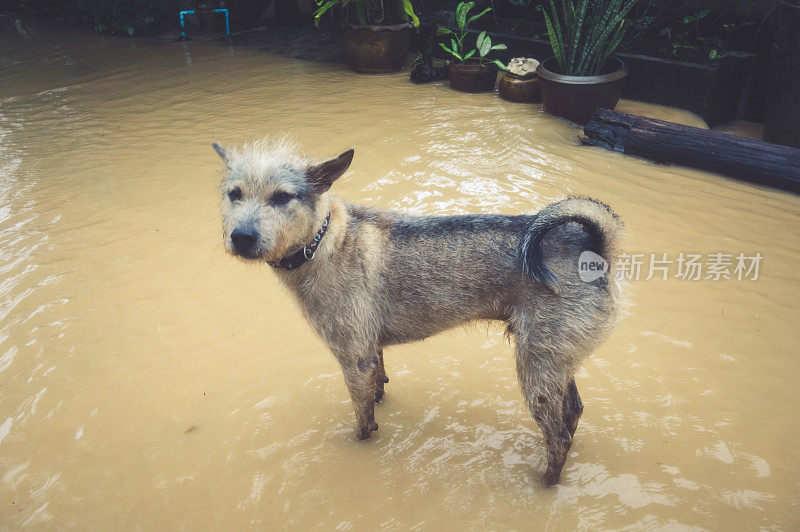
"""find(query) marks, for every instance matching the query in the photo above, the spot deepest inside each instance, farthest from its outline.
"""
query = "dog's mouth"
(247, 254)
(246, 245)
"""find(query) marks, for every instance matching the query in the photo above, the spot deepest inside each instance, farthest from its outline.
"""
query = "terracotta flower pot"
(576, 97)
(377, 48)
(473, 77)
(515, 88)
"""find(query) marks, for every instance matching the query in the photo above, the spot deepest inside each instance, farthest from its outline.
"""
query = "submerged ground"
(148, 380)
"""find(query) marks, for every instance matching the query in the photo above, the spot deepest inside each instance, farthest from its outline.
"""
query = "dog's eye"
(235, 194)
(281, 198)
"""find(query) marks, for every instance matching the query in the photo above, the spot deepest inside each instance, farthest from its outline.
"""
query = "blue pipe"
(227, 21)
(183, 37)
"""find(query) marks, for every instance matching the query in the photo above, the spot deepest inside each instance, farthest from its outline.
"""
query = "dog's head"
(273, 199)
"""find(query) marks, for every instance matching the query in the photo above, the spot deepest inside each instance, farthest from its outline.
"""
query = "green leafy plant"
(124, 17)
(689, 35)
(684, 35)
(640, 24)
(483, 44)
(114, 17)
(584, 36)
(368, 12)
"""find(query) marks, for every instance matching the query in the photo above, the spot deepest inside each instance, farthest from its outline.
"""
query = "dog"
(368, 278)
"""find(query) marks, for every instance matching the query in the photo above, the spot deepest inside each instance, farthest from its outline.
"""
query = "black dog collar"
(306, 253)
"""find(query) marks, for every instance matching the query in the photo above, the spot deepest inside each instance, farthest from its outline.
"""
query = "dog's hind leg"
(572, 407)
(381, 378)
(544, 382)
(361, 378)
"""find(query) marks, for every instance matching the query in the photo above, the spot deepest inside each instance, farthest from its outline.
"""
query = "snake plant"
(585, 33)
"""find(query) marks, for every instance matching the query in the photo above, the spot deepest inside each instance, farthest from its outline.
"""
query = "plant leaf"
(440, 30)
(361, 11)
(461, 14)
(322, 9)
(557, 26)
(485, 44)
(553, 40)
(576, 40)
(500, 46)
(405, 8)
(469, 54)
(613, 43)
(473, 18)
(451, 52)
(568, 9)
(499, 64)
(613, 20)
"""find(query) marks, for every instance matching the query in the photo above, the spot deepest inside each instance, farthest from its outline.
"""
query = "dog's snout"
(244, 239)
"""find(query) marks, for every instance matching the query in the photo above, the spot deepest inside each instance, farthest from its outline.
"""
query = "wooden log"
(667, 142)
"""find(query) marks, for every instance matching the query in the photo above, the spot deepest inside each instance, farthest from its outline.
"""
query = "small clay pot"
(377, 49)
(473, 77)
(576, 97)
(516, 88)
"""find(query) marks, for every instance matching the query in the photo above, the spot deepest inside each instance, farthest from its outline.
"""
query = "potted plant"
(380, 39)
(474, 71)
(519, 83)
(583, 75)
(716, 89)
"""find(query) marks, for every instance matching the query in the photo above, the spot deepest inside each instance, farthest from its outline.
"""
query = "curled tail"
(601, 223)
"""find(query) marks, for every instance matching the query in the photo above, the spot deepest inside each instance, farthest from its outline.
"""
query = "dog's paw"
(363, 433)
(551, 478)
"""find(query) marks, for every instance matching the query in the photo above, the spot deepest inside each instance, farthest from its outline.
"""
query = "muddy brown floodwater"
(148, 380)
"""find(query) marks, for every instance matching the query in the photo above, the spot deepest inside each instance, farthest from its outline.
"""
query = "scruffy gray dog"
(369, 278)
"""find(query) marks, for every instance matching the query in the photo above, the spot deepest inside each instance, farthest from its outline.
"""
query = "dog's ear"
(220, 151)
(323, 175)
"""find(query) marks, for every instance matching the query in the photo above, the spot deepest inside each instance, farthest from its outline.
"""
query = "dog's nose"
(244, 239)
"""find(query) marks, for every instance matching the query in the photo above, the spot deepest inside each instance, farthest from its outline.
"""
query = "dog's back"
(437, 272)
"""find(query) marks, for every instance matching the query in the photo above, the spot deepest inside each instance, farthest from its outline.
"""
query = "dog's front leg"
(361, 375)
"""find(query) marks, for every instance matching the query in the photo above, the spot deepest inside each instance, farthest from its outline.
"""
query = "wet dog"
(368, 278)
